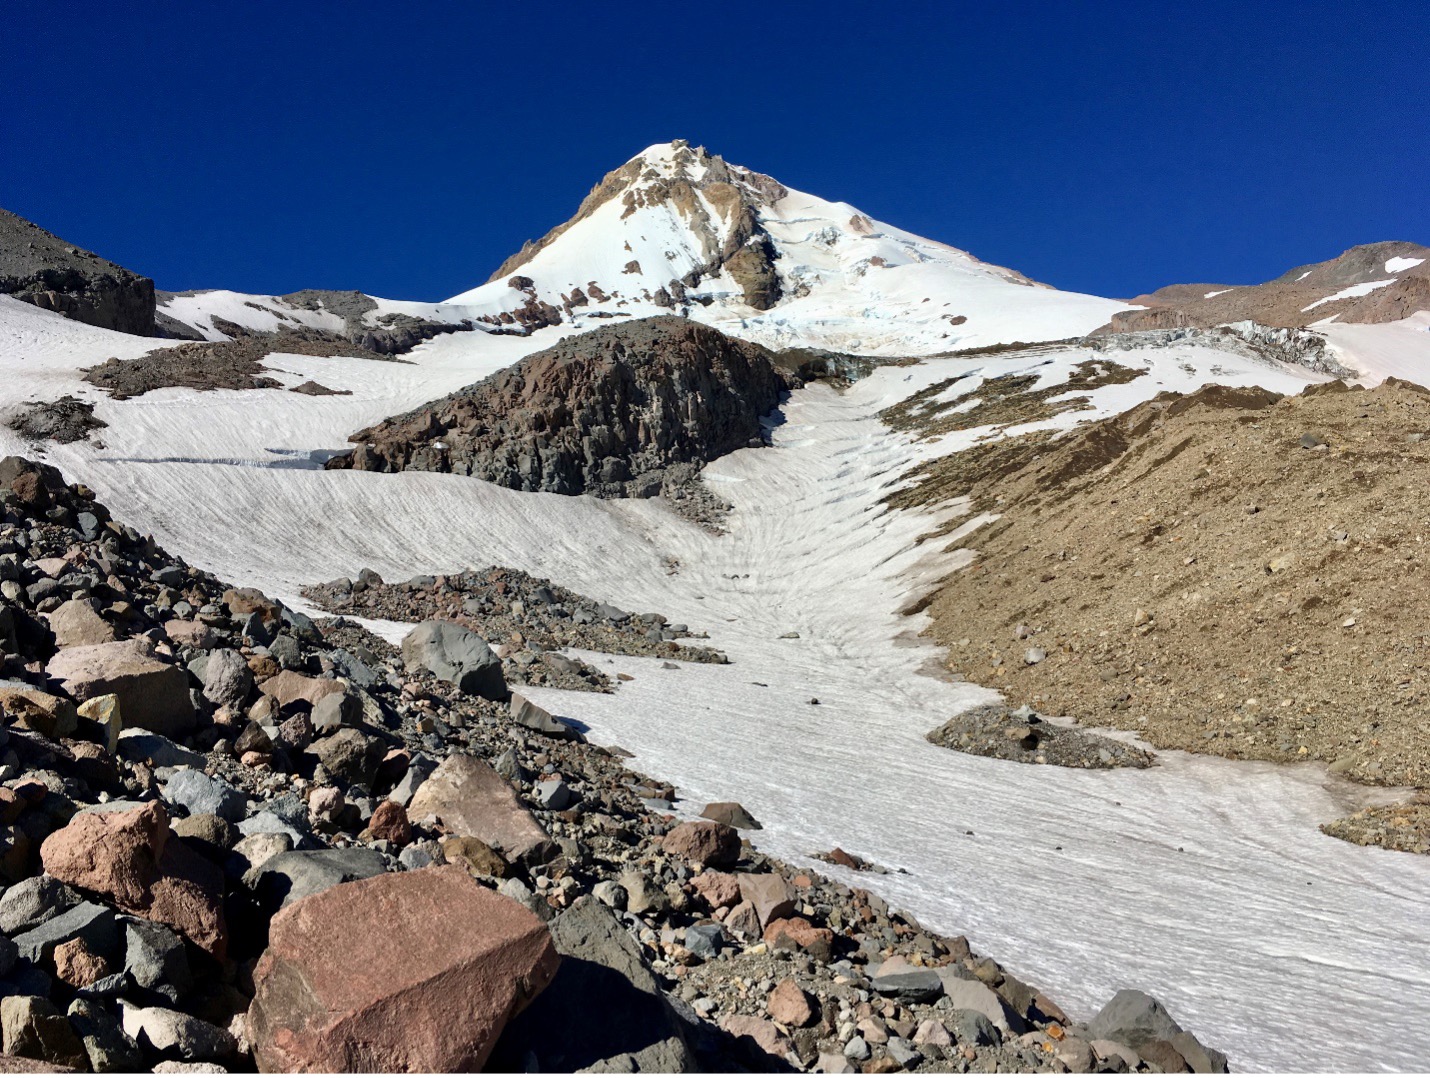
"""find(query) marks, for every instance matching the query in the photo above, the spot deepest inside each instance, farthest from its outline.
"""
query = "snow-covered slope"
(1386, 349)
(205, 313)
(678, 229)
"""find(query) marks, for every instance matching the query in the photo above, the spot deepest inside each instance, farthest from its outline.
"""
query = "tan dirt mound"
(1225, 572)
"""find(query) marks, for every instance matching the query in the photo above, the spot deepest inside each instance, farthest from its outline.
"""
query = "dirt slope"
(1226, 572)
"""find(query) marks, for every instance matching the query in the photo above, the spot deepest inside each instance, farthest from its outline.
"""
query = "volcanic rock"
(469, 798)
(131, 858)
(153, 695)
(414, 971)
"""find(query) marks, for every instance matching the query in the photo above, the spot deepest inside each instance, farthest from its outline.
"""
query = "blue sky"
(406, 149)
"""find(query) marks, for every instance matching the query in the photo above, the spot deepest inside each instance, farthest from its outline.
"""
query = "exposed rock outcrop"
(40, 268)
(609, 413)
(736, 242)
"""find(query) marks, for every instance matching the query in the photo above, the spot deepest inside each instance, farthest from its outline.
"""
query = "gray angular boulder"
(32, 902)
(89, 921)
(1133, 1018)
(604, 1000)
(227, 679)
(457, 656)
(201, 794)
(287, 877)
(154, 955)
(1141, 1022)
(535, 717)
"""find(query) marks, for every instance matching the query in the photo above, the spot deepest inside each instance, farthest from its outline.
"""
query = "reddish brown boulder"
(290, 686)
(130, 858)
(762, 1031)
(790, 1005)
(77, 965)
(409, 971)
(704, 841)
(717, 888)
(389, 821)
(192, 634)
(732, 814)
(153, 695)
(244, 601)
(469, 798)
(797, 934)
(768, 893)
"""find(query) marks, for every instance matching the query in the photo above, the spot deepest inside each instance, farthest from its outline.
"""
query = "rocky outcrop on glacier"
(610, 413)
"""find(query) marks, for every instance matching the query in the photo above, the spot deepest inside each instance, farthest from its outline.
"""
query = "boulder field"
(234, 837)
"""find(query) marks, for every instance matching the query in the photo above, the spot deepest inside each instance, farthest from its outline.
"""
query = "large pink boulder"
(132, 859)
(289, 687)
(470, 799)
(717, 888)
(704, 841)
(768, 893)
(408, 971)
(153, 695)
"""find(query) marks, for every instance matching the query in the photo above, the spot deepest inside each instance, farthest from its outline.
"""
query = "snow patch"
(1396, 265)
(1354, 290)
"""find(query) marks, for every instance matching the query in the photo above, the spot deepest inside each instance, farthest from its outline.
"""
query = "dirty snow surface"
(1202, 881)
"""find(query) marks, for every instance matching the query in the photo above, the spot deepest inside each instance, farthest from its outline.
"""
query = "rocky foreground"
(232, 837)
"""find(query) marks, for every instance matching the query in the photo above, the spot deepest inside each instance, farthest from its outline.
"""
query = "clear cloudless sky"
(405, 149)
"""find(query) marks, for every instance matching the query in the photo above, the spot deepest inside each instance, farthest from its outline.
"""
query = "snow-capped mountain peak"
(679, 229)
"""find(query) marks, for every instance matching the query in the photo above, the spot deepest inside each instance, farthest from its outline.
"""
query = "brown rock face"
(412, 971)
(704, 841)
(469, 798)
(34, 709)
(731, 813)
(153, 695)
(131, 858)
(77, 622)
(762, 1031)
(77, 965)
(607, 413)
(389, 822)
(289, 687)
(768, 893)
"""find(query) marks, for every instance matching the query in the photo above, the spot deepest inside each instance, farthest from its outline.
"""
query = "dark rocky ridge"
(613, 412)
(234, 364)
(40, 268)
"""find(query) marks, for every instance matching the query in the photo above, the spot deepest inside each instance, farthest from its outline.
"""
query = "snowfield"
(1202, 881)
